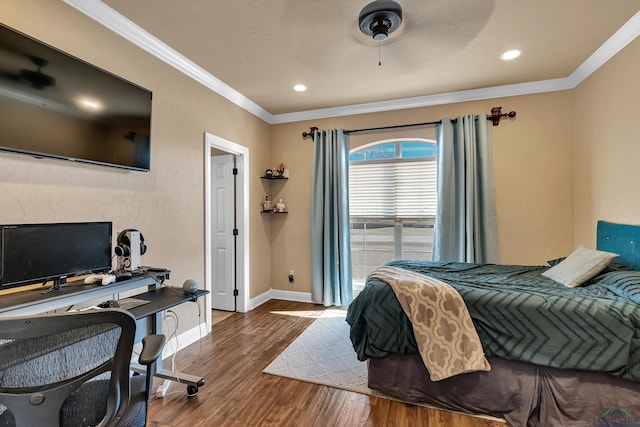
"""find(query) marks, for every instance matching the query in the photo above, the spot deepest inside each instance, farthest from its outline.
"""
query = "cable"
(174, 335)
(199, 332)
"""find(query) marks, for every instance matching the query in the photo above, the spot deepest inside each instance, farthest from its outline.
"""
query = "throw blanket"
(446, 337)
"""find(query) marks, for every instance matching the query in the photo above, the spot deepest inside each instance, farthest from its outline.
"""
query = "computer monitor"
(38, 253)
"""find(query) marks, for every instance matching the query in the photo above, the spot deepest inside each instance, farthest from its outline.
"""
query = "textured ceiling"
(262, 48)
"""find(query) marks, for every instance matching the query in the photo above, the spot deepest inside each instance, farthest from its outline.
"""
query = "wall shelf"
(273, 201)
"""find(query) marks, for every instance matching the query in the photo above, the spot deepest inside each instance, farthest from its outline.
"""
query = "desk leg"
(192, 381)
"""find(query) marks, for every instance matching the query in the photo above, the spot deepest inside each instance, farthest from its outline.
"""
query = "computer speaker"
(190, 286)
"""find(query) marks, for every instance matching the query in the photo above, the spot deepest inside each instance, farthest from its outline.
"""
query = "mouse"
(109, 304)
(123, 275)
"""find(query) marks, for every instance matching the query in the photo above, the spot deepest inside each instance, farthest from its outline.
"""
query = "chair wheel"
(192, 390)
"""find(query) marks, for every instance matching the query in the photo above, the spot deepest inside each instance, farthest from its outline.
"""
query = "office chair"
(73, 369)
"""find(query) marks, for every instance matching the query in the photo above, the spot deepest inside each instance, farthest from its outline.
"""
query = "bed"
(556, 355)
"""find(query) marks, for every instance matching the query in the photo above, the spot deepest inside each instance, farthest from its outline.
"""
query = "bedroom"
(565, 162)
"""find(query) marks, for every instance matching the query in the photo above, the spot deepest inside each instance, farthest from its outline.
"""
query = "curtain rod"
(496, 115)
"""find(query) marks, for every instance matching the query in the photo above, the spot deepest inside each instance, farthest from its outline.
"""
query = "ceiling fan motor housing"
(37, 79)
(380, 18)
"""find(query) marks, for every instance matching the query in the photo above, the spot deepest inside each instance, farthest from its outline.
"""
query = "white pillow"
(580, 266)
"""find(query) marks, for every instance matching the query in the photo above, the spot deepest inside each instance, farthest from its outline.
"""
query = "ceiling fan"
(418, 31)
(34, 78)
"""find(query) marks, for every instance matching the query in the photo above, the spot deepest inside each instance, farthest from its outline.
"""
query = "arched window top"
(394, 150)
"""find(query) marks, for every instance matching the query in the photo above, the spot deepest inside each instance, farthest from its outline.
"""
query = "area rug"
(323, 354)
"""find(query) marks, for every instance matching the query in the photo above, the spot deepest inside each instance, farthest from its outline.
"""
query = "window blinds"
(398, 190)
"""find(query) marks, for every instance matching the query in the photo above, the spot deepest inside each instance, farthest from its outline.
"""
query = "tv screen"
(55, 105)
(37, 253)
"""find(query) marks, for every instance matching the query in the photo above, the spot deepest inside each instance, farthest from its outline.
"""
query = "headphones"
(123, 247)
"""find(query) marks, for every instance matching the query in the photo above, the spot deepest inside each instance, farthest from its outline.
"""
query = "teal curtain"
(466, 228)
(330, 238)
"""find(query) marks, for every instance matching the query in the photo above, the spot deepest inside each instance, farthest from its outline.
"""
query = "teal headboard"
(622, 239)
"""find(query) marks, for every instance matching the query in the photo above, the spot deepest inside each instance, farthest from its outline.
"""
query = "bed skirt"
(521, 393)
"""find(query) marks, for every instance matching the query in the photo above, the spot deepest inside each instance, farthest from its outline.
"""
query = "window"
(392, 202)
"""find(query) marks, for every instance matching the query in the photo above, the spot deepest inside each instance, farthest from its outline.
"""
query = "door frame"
(242, 215)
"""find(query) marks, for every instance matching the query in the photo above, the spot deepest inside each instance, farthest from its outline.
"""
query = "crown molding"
(109, 18)
(426, 101)
(103, 14)
(625, 35)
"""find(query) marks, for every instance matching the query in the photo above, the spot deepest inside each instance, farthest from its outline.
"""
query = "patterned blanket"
(518, 315)
(447, 340)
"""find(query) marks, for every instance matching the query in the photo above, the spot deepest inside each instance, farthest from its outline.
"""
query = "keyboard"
(129, 303)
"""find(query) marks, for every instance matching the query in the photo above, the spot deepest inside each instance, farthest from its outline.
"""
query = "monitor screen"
(37, 253)
(54, 105)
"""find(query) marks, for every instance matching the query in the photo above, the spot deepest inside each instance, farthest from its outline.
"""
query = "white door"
(222, 238)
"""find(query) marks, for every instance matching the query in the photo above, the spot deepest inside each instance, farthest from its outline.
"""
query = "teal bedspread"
(519, 315)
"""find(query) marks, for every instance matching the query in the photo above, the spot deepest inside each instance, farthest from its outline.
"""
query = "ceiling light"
(510, 54)
(300, 88)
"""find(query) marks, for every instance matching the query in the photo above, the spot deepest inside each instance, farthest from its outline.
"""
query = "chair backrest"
(51, 367)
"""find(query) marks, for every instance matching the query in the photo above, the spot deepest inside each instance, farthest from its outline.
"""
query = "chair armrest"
(152, 346)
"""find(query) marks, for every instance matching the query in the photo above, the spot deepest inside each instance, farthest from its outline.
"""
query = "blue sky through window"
(408, 149)
(414, 149)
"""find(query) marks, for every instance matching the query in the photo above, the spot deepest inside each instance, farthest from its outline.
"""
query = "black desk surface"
(162, 299)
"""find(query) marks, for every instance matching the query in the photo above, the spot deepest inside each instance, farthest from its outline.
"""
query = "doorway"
(215, 145)
(223, 226)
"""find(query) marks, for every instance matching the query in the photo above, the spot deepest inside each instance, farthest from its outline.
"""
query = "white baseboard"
(279, 294)
(291, 295)
(259, 300)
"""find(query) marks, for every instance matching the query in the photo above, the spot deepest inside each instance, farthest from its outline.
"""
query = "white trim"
(291, 295)
(260, 299)
(425, 101)
(242, 207)
(625, 35)
(280, 294)
(111, 19)
(108, 17)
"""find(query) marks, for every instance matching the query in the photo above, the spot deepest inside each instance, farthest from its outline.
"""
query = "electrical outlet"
(291, 276)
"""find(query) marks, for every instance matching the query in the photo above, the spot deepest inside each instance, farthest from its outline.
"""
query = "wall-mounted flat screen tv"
(55, 105)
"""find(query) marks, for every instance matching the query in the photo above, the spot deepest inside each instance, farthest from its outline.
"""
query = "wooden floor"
(237, 393)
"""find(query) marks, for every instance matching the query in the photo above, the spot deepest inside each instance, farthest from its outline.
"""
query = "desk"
(32, 302)
(161, 299)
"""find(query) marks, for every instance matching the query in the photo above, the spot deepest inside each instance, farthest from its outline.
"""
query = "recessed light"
(300, 88)
(510, 54)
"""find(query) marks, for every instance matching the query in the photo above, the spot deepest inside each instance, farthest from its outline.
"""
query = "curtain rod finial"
(311, 133)
(497, 114)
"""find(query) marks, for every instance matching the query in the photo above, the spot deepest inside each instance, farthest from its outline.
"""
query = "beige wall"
(568, 159)
(166, 204)
(607, 145)
(532, 159)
